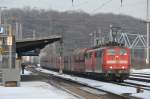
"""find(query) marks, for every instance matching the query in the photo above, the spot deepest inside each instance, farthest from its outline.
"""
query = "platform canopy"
(27, 45)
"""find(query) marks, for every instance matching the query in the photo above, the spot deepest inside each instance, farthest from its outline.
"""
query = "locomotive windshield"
(123, 52)
(111, 52)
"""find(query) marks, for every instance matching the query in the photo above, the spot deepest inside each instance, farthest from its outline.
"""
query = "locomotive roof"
(107, 45)
(103, 46)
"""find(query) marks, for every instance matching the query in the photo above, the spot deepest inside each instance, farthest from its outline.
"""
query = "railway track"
(121, 96)
(134, 85)
(77, 89)
(140, 77)
(138, 80)
(80, 90)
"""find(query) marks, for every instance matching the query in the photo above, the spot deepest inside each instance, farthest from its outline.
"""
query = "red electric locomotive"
(109, 62)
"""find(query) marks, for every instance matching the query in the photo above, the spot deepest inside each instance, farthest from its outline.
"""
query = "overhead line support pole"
(147, 19)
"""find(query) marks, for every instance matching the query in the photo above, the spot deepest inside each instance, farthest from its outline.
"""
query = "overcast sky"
(134, 8)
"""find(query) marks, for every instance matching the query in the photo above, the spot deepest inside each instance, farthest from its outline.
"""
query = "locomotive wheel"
(120, 80)
(107, 77)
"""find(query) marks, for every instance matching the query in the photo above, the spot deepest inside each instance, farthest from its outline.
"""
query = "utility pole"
(1, 15)
(17, 31)
(110, 35)
(147, 20)
(91, 39)
(33, 35)
(61, 56)
(10, 43)
(61, 51)
(20, 31)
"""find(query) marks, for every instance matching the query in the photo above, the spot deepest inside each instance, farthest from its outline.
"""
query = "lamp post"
(147, 20)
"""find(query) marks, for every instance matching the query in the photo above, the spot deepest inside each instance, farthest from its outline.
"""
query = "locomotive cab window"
(123, 52)
(111, 52)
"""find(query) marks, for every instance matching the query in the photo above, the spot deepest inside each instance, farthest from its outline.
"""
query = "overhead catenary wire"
(121, 4)
(101, 6)
(79, 4)
(82, 3)
(105, 3)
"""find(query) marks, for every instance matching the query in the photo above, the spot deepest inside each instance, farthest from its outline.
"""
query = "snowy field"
(114, 88)
(33, 90)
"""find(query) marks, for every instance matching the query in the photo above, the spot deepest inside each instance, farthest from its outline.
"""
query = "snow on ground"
(140, 74)
(139, 77)
(145, 95)
(145, 71)
(138, 82)
(33, 90)
(26, 72)
(114, 88)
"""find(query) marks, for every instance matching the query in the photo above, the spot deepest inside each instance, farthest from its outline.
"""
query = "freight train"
(106, 62)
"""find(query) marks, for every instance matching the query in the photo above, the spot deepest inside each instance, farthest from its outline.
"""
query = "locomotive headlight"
(125, 53)
(110, 67)
(123, 67)
(117, 56)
